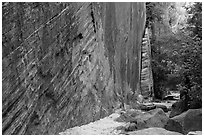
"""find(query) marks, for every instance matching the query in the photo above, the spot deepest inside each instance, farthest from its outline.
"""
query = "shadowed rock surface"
(153, 131)
(67, 64)
(190, 120)
(178, 108)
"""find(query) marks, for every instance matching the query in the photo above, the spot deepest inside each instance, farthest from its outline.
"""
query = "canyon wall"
(146, 70)
(68, 64)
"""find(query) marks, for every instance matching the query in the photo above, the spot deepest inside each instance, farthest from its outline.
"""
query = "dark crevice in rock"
(9, 124)
(93, 18)
(12, 104)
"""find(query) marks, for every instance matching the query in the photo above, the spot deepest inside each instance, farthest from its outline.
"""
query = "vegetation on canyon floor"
(176, 47)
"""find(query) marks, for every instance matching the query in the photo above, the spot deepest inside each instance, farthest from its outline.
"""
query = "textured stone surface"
(183, 104)
(186, 122)
(146, 70)
(153, 118)
(178, 108)
(128, 116)
(67, 64)
(153, 131)
(147, 107)
(137, 120)
(163, 107)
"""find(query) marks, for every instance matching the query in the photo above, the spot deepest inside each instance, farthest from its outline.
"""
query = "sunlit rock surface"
(146, 70)
(67, 64)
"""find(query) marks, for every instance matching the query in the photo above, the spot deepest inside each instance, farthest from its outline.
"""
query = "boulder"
(153, 131)
(183, 105)
(190, 120)
(128, 115)
(130, 127)
(178, 108)
(147, 107)
(153, 118)
(163, 107)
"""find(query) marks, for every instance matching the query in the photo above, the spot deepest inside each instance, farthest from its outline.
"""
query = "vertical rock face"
(67, 64)
(146, 71)
(124, 25)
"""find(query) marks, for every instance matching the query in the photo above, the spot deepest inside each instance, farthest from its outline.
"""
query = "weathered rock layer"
(67, 64)
(146, 70)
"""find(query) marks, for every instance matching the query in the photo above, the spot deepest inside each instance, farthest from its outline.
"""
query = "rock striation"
(146, 70)
(67, 64)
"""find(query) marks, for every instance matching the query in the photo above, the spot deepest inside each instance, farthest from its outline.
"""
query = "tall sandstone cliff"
(146, 69)
(67, 64)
